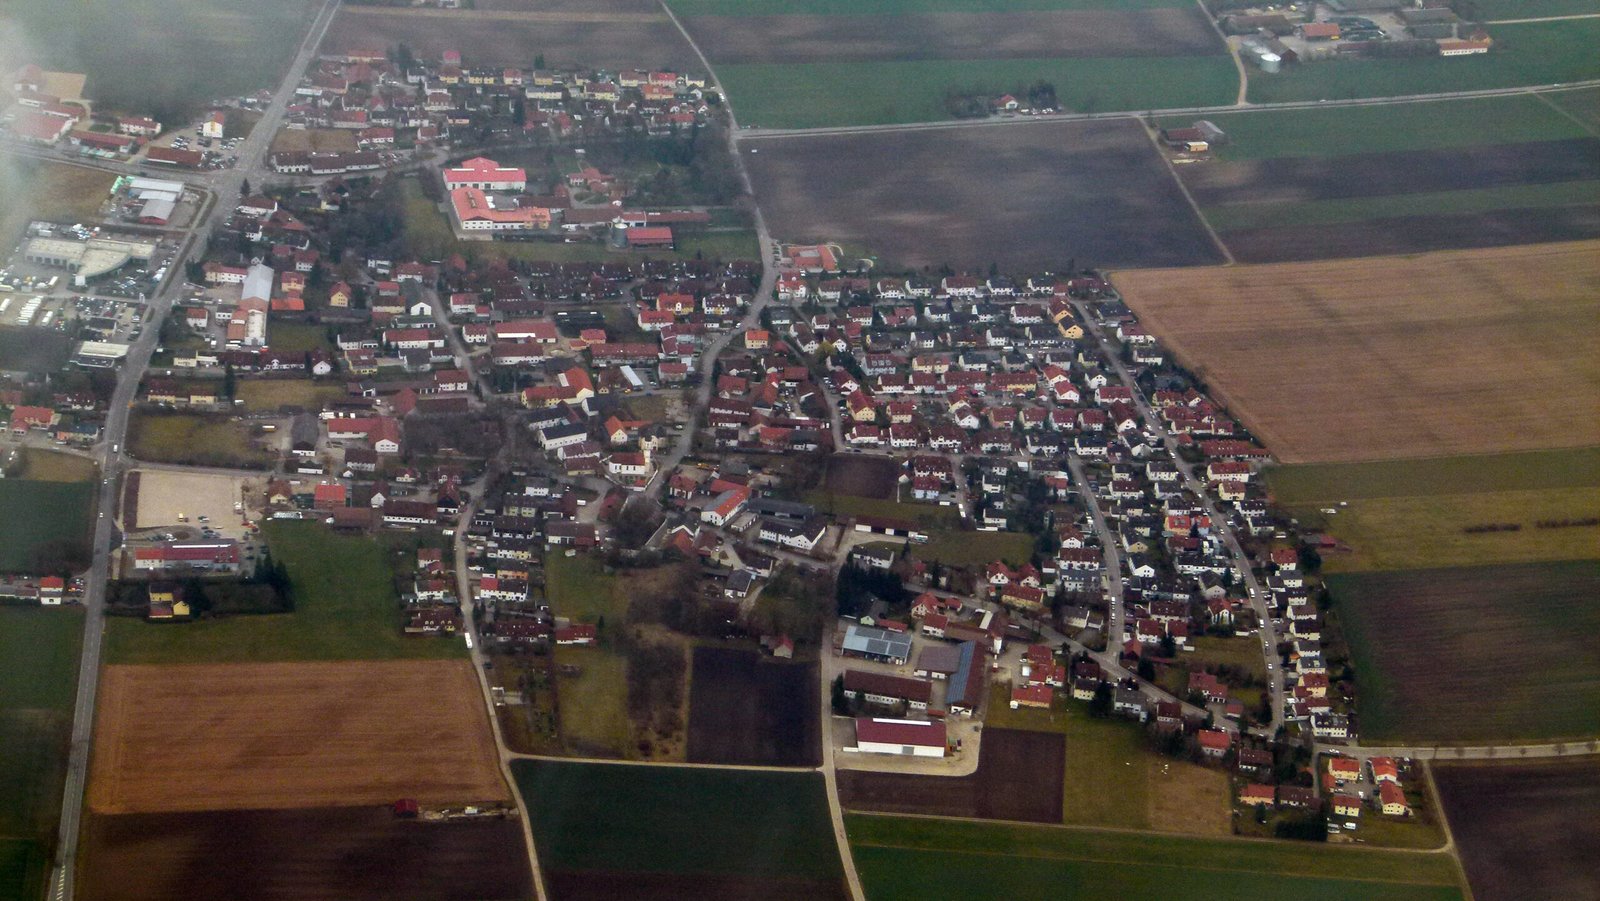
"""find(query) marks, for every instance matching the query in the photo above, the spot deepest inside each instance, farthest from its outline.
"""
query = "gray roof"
(877, 642)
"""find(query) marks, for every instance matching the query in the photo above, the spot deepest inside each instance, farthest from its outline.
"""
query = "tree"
(841, 707)
(228, 382)
(1100, 704)
(1169, 646)
(244, 188)
(1147, 670)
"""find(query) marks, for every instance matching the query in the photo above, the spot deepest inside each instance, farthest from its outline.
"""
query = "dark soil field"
(873, 477)
(747, 709)
(608, 885)
(334, 853)
(982, 35)
(1414, 234)
(1525, 830)
(1474, 654)
(648, 42)
(1019, 777)
(1301, 178)
(1026, 198)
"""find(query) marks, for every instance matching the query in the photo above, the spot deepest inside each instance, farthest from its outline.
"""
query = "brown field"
(1525, 830)
(1020, 775)
(319, 140)
(873, 477)
(279, 735)
(610, 885)
(572, 6)
(1415, 234)
(746, 709)
(493, 41)
(337, 853)
(1448, 353)
(1096, 192)
(1293, 179)
(983, 35)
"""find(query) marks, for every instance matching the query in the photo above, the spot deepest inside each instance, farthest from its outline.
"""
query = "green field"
(928, 858)
(957, 548)
(580, 588)
(928, 515)
(897, 7)
(1583, 103)
(36, 515)
(37, 687)
(42, 190)
(202, 50)
(298, 337)
(193, 439)
(1385, 128)
(1533, 54)
(345, 609)
(268, 395)
(1490, 10)
(1474, 655)
(1322, 484)
(57, 466)
(812, 95)
(1232, 217)
(33, 349)
(681, 821)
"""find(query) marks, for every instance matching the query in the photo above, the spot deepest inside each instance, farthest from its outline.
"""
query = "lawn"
(927, 858)
(53, 466)
(813, 95)
(1236, 216)
(193, 439)
(1209, 650)
(593, 704)
(298, 337)
(1474, 655)
(56, 191)
(1323, 484)
(899, 7)
(1114, 780)
(1532, 54)
(33, 349)
(34, 515)
(580, 588)
(699, 823)
(957, 548)
(40, 648)
(928, 515)
(1386, 128)
(269, 395)
(1490, 10)
(1584, 103)
(346, 608)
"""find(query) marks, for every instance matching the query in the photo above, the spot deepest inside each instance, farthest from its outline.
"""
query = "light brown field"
(318, 140)
(1459, 352)
(282, 735)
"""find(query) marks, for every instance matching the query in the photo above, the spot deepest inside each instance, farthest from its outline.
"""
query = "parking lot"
(221, 503)
(218, 152)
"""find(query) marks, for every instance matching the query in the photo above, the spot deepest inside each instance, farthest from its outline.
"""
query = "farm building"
(906, 738)
(871, 643)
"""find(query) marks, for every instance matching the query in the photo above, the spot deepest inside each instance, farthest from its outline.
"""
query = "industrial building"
(905, 738)
(87, 259)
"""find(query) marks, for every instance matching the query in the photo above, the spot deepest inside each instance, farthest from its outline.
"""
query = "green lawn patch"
(40, 649)
(1424, 125)
(708, 823)
(1234, 217)
(957, 548)
(33, 349)
(1490, 10)
(41, 465)
(298, 337)
(346, 608)
(1532, 54)
(898, 7)
(194, 439)
(38, 516)
(270, 395)
(812, 95)
(928, 515)
(1474, 655)
(928, 858)
(1584, 103)
(579, 587)
(1329, 483)
(593, 703)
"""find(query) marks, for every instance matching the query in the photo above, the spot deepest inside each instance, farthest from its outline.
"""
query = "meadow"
(193, 439)
(35, 516)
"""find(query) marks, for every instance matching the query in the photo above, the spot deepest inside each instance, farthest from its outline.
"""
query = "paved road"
(1108, 547)
(1466, 752)
(113, 459)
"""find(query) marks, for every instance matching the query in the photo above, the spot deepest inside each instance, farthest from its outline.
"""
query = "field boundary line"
(1563, 111)
(685, 765)
(509, 15)
(1172, 171)
(1449, 834)
(1543, 19)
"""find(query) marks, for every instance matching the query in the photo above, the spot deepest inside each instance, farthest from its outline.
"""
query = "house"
(1394, 800)
(871, 643)
(1037, 696)
(1384, 770)
(887, 689)
(1214, 743)
(1349, 805)
(905, 738)
(1256, 794)
(576, 634)
(1344, 769)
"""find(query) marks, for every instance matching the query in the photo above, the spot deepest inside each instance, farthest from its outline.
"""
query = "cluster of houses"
(73, 418)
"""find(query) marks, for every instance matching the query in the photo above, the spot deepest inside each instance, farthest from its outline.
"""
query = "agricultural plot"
(308, 854)
(1019, 777)
(273, 395)
(1516, 828)
(956, 548)
(40, 465)
(42, 190)
(926, 858)
(1448, 655)
(319, 140)
(1026, 199)
(1396, 357)
(42, 523)
(610, 831)
(33, 349)
(194, 439)
(277, 735)
(862, 476)
(746, 709)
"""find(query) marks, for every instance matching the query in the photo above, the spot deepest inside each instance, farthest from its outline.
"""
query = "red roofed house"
(1032, 696)
(1214, 743)
(906, 738)
(25, 418)
(649, 236)
(485, 174)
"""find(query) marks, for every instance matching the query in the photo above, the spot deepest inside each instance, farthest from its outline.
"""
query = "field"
(575, 40)
(869, 477)
(319, 140)
(1395, 357)
(660, 832)
(930, 516)
(57, 191)
(1515, 826)
(194, 439)
(1474, 654)
(746, 709)
(55, 466)
(37, 688)
(1019, 778)
(203, 50)
(34, 349)
(1096, 192)
(1326, 484)
(1490, 10)
(326, 854)
(922, 858)
(345, 608)
(38, 516)
(593, 703)
(954, 548)
(1528, 54)
(1583, 103)
(282, 735)
(272, 395)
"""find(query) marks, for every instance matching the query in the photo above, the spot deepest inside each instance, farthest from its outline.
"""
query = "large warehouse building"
(905, 738)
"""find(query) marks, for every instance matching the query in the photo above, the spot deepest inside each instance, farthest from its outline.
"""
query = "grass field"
(1328, 483)
(57, 191)
(1532, 54)
(298, 337)
(1232, 217)
(1583, 103)
(896, 7)
(580, 588)
(685, 822)
(1490, 10)
(52, 466)
(193, 439)
(1474, 654)
(23, 866)
(956, 548)
(36, 514)
(925, 858)
(1345, 130)
(1114, 780)
(269, 395)
(345, 609)
(594, 712)
(34, 349)
(929, 515)
(812, 95)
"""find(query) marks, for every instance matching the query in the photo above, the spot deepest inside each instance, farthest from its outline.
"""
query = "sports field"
(926, 858)
(1474, 655)
(1393, 357)
(613, 830)
(37, 517)
(280, 735)
(345, 608)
